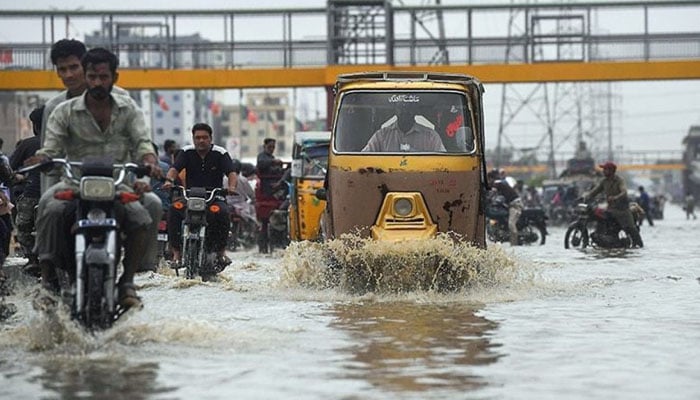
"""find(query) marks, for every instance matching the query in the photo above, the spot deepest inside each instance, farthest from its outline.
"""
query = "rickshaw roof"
(399, 77)
(304, 137)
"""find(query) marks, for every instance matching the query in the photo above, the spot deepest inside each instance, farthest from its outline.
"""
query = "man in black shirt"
(205, 165)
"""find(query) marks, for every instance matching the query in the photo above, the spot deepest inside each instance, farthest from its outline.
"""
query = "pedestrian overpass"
(309, 47)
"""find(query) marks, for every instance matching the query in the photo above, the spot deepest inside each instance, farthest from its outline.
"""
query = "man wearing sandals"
(98, 123)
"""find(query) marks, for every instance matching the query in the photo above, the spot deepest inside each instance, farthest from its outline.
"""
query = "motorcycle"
(196, 260)
(278, 227)
(93, 293)
(532, 224)
(244, 225)
(277, 230)
(606, 232)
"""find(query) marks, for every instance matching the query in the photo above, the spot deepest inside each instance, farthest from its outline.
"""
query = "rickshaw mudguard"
(416, 223)
(398, 235)
(449, 185)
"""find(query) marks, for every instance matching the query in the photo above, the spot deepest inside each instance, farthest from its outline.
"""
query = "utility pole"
(610, 130)
(555, 36)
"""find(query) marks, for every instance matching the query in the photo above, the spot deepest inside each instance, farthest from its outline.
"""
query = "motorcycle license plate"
(162, 237)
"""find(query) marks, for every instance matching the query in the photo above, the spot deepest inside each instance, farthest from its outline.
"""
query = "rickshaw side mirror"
(321, 194)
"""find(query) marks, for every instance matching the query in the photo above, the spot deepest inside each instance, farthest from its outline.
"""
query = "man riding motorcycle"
(515, 205)
(615, 190)
(97, 124)
(206, 164)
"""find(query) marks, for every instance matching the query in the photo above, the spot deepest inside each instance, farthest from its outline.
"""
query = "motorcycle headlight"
(196, 204)
(403, 207)
(96, 214)
(97, 188)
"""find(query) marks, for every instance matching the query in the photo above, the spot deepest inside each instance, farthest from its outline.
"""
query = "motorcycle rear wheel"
(576, 236)
(539, 234)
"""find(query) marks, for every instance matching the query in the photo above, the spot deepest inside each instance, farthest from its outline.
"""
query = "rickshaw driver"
(405, 134)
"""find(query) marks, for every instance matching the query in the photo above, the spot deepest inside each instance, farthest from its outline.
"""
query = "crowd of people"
(560, 205)
(93, 118)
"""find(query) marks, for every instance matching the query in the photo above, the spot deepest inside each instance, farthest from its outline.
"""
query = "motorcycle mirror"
(321, 194)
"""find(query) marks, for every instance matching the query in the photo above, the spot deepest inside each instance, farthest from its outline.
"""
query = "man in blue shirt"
(645, 203)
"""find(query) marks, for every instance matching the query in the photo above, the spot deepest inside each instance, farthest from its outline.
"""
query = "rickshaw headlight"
(403, 207)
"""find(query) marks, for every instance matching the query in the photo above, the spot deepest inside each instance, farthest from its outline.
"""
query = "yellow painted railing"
(326, 76)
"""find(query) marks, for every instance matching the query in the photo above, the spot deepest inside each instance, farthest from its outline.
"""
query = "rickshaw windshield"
(314, 160)
(404, 121)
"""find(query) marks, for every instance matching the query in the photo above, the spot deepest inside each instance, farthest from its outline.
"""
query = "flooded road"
(538, 322)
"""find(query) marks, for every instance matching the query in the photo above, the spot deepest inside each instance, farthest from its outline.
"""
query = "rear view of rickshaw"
(407, 157)
(309, 163)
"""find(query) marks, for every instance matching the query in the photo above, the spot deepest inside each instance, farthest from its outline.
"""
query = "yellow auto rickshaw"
(309, 163)
(407, 157)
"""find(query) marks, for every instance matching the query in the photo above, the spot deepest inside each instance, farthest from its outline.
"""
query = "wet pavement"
(516, 323)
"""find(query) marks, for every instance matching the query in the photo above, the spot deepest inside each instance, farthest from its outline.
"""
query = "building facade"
(263, 115)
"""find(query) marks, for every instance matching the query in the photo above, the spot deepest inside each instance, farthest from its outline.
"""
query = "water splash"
(53, 329)
(176, 330)
(364, 265)
(56, 333)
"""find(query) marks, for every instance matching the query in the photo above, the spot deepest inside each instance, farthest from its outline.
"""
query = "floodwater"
(532, 322)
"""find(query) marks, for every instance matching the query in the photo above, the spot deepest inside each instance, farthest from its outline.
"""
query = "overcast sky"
(651, 115)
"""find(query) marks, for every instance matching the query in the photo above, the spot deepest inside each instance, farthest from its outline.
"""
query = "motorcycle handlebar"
(138, 170)
(186, 193)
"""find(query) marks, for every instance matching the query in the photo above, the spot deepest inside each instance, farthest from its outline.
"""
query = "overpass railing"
(473, 34)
